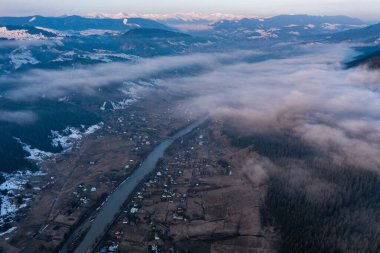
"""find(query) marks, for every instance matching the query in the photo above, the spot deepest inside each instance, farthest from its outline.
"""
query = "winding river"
(93, 229)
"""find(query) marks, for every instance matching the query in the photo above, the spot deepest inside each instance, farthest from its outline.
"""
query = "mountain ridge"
(78, 23)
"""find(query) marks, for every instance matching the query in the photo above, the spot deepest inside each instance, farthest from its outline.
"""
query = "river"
(96, 227)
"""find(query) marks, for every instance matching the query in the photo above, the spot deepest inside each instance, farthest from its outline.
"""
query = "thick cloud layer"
(308, 95)
(55, 83)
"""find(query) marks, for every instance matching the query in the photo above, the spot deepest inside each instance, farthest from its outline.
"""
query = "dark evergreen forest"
(341, 216)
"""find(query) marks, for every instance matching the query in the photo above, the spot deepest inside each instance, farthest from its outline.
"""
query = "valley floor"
(197, 200)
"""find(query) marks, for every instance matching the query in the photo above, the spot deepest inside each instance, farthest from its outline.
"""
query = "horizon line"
(200, 15)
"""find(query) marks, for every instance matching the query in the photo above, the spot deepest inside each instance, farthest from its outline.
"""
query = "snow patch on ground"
(177, 43)
(105, 56)
(70, 135)
(131, 93)
(103, 107)
(123, 104)
(93, 129)
(67, 56)
(328, 26)
(14, 183)
(65, 139)
(34, 153)
(20, 34)
(262, 34)
(63, 99)
(21, 57)
(294, 33)
(11, 200)
(126, 22)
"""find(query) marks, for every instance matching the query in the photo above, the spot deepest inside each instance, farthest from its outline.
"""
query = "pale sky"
(364, 9)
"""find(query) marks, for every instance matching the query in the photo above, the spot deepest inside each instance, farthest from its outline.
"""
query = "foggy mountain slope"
(370, 60)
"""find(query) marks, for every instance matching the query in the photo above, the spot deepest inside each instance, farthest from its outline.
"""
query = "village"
(196, 200)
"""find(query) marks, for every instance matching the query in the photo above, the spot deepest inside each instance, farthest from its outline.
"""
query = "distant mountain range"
(78, 41)
(282, 27)
(289, 20)
(285, 26)
(367, 34)
(77, 23)
(187, 16)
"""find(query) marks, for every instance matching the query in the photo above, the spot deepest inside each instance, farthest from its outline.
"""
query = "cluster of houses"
(82, 195)
(173, 182)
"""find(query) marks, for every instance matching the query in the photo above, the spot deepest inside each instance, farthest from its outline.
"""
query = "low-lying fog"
(309, 94)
